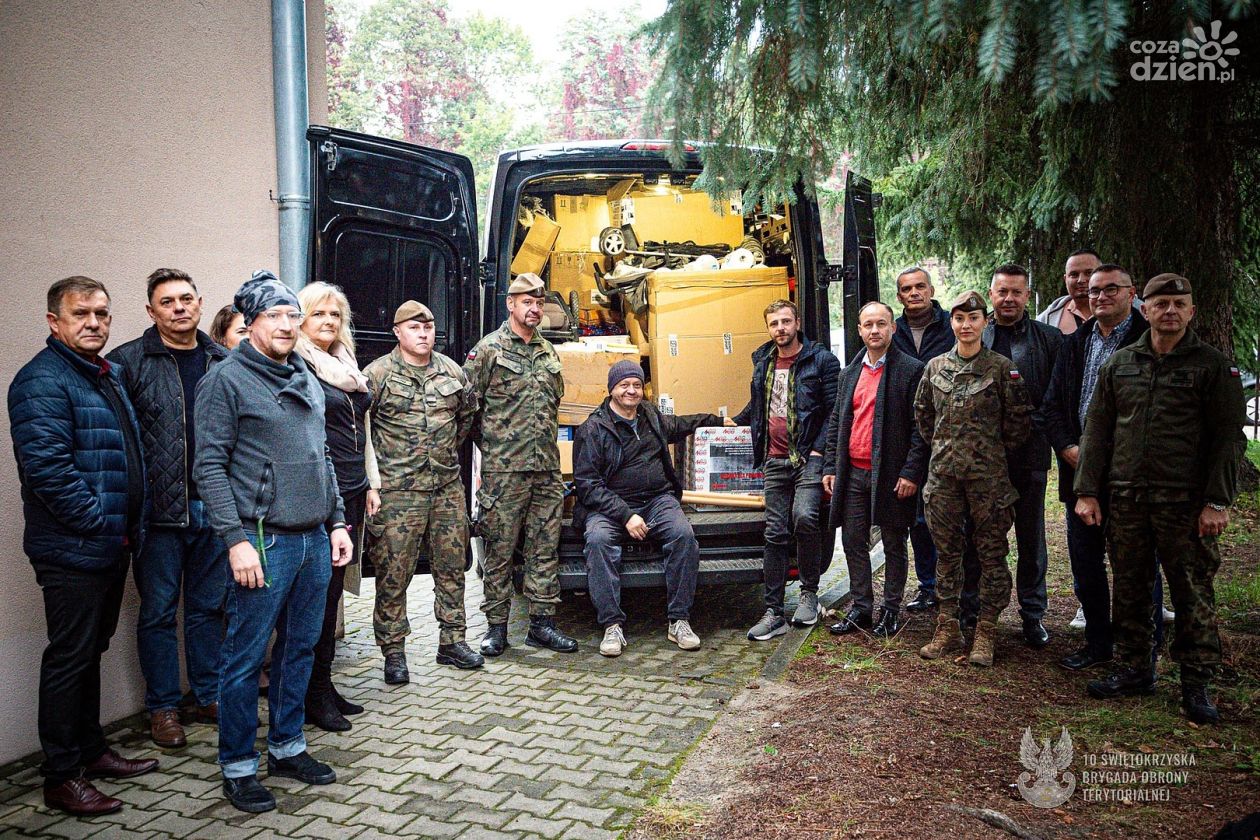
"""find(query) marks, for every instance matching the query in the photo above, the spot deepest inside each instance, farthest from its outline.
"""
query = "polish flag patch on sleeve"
(472, 354)
(1014, 374)
(1235, 372)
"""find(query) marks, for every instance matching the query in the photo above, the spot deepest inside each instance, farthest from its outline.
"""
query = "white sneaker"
(681, 634)
(1169, 616)
(614, 641)
(1078, 623)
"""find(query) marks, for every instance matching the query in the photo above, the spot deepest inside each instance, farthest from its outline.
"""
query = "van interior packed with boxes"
(648, 268)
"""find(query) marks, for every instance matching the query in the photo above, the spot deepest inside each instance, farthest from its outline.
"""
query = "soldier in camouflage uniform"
(422, 409)
(515, 374)
(1163, 436)
(971, 408)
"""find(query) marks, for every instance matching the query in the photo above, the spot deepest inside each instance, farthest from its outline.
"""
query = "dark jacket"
(151, 376)
(938, 338)
(1035, 346)
(597, 454)
(897, 450)
(72, 461)
(1059, 417)
(1164, 429)
(815, 374)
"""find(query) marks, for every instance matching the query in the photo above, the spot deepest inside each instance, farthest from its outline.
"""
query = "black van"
(392, 221)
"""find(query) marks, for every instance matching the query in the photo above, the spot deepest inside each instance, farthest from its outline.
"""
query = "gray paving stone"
(535, 827)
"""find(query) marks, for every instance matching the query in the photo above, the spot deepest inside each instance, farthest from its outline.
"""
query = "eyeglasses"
(275, 316)
(1108, 291)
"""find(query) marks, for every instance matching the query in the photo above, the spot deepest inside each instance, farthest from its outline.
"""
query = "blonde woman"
(327, 346)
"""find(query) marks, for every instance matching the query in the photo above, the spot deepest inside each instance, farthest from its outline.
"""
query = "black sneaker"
(247, 794)
(460, 655)
(302, 767)
(544, 633)
(1125, 682)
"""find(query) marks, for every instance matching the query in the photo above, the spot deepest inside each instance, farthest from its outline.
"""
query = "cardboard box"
(566, 458)
(708, 303)
(720, 460)
(585, 371)
(637, 330)
(581, 218)
(574, 271)
(703, 374)
(682, 216)
(620, 204)
(534, 251)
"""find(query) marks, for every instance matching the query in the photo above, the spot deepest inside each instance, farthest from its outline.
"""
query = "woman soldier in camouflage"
(971, 408)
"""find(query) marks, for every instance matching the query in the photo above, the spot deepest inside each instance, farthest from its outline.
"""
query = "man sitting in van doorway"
(626, 486)
(793, 388)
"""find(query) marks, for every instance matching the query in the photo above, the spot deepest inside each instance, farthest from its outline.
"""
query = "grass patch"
(670, 820)
(853, 658)
(1253, 452)
(1238, 599)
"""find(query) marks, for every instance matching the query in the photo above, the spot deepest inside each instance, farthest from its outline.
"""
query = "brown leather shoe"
(111, 765)
(166, 729)
(202, 714)
(79, 797)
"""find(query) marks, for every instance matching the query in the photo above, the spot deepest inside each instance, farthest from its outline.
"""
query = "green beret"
(527, 284)
(969, 302)
(1166, 284)
(412, 310)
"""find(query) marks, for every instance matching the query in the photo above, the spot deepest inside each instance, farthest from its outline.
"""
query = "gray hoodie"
(261, 451)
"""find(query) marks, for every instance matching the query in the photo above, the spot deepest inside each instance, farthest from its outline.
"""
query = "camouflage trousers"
(409, 521)
(1136, 533)
(990, 503)
(512, 505)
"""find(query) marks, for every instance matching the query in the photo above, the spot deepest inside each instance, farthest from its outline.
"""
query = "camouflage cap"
(1166, 284)
(969, 302)
(412, 310)
(527, 284)
(261, 292)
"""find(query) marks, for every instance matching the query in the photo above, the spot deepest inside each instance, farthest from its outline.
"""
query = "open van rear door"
(858, 270)
(392, 222)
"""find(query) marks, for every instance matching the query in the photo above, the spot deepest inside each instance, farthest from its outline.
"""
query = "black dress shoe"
(544, 633)
(1082, 659)
(852, 622)
(396, 668)
(322, 711)
(1198, 705)
(460, 655)
(924, 601)
(495, 641)
(302, 767)
(888, 625)
(1125, 682)
(345, 706)
(1035, 633)
(248, 794)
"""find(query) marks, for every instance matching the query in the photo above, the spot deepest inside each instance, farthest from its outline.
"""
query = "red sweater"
(862, 434)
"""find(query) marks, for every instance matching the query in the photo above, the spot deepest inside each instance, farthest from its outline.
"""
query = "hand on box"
(728, 422)
(636, 527)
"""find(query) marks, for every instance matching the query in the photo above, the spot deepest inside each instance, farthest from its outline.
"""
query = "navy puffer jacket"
(72, 461)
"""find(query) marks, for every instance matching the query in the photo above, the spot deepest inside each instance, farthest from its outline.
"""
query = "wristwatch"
(1216, 507)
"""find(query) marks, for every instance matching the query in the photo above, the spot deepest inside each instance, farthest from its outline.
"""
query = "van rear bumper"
(651, 574)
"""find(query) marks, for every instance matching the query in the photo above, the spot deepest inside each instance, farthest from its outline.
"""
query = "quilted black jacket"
(151, 376)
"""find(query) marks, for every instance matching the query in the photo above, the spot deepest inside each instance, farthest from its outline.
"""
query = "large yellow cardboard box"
(581, 218)
(574, 271)
(566, 458)
(703, 374)
(533, 253)
(682, 216)
(712, 303)
(585, 370)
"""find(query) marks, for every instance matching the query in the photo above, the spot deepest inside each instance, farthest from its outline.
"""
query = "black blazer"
(897, 450)
(1058, 418)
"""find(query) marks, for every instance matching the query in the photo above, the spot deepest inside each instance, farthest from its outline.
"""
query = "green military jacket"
(971, 411)
(1164, 429)
(518, 387)
(420, 416)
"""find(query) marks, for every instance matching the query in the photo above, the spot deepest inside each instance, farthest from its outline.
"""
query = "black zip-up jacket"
(1059, 417)
(597, 454)
(938, 338)
(1034, 348)
(151, 376)
(816, 373)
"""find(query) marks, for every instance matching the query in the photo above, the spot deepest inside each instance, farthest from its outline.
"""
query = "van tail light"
(653, 146)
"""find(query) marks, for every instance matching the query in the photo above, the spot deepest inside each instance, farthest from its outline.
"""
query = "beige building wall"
(135, 135)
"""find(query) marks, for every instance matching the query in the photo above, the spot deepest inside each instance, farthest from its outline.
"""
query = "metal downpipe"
(288, 68)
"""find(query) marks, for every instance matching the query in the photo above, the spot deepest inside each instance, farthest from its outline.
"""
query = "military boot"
(947, 638)
(460, 655)
(1197, 704)
(983, 643)
(495, 641)
(1125, 681)
(544, 633)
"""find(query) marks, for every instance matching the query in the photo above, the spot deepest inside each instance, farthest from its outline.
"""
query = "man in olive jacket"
(1163, 436)
(874, 464)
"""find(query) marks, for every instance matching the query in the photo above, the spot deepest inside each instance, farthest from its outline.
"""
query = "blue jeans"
(924, 551)
(195, 558)
(793, 510)
(299, 567)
